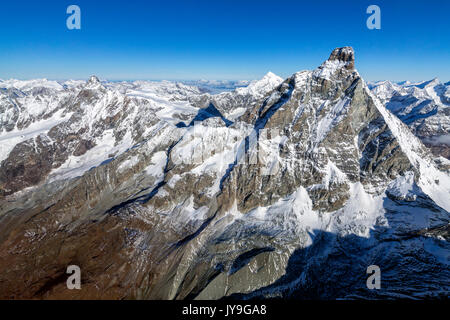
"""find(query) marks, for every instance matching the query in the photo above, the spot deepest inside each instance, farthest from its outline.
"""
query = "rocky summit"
(283, 188)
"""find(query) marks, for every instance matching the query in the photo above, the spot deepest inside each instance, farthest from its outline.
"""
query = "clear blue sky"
(221, 39)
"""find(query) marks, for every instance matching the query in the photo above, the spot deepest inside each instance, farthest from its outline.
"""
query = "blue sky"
(218, 39)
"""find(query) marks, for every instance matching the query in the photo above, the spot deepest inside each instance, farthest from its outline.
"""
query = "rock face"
(158, 191)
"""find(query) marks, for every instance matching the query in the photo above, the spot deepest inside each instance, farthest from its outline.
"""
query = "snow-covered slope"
(432, 181)
(423, 106)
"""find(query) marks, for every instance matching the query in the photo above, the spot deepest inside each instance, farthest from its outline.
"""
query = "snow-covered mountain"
(424, 107)
(283, 188)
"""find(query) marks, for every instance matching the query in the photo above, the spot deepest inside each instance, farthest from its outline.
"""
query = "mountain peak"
(344, 54)
(265, 84)
(341, 59)
(94, 83)
(288, 172)
(93, 80)
(270, 75)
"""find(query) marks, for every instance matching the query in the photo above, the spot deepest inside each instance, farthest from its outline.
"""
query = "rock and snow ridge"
(423, 106)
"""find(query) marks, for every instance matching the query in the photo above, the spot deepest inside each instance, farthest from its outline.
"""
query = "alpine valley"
(165, 190)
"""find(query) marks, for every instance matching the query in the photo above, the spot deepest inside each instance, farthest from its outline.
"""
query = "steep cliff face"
(284, 188)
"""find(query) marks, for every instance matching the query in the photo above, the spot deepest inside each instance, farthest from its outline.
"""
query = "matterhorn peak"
(344, 54)
(341, 59)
